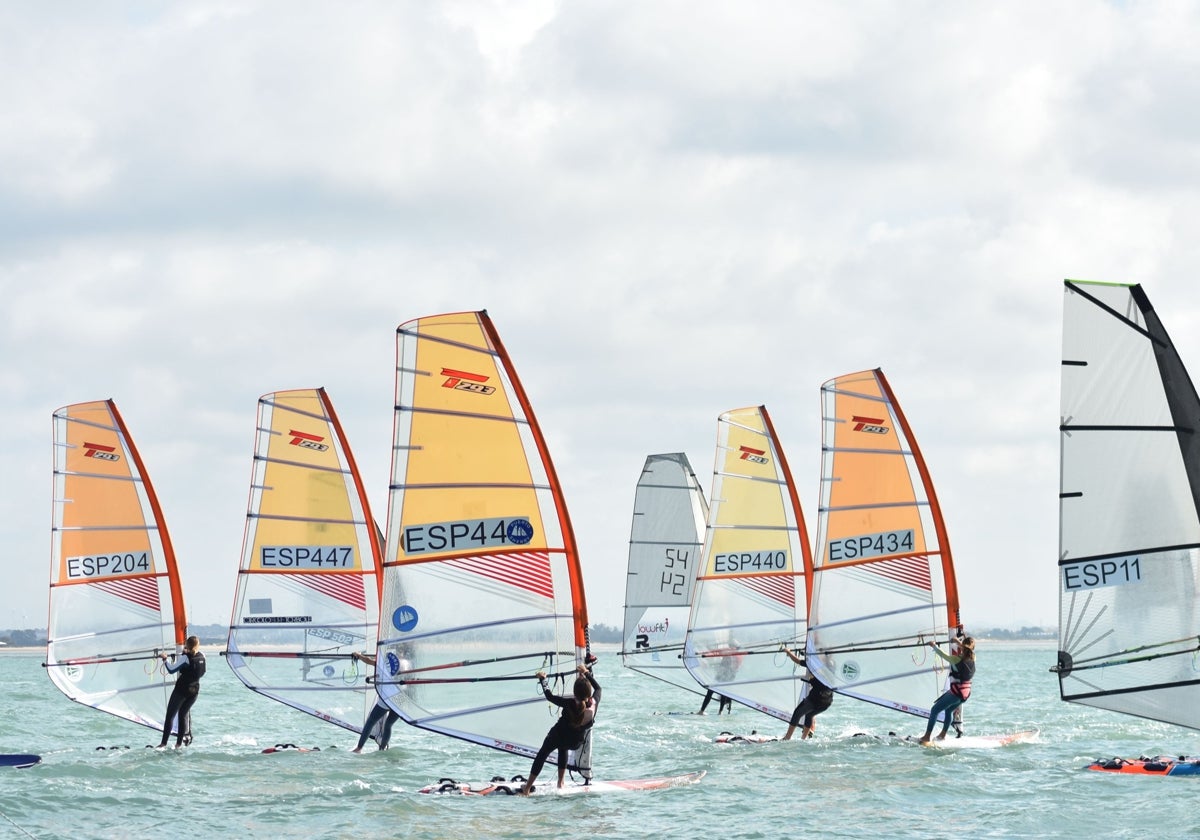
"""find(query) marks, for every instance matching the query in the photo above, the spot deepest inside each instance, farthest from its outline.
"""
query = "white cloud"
(669, 209)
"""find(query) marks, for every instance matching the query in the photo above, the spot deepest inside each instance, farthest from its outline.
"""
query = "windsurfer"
(724, 704)
(380, 711)
(962, 669)
(568, 732)
(818, 699)
(190, 666)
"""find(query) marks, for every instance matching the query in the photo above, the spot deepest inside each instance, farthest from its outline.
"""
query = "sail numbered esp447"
(482, 584)
(308, 588)
(1128, 565)
(116, 601)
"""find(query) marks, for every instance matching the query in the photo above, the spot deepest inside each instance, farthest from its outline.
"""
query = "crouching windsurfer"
(818, 699)
(578, 715)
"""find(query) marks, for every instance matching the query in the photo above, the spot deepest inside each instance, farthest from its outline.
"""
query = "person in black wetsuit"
(379, 711)
(962, 670)
(568, 732)
(818, 699)
(724, 704)
(190, 666)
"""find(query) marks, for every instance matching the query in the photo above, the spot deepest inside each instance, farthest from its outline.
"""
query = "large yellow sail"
(482, 584)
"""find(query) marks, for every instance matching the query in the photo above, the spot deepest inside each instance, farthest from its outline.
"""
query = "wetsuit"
(961, 673)
(378, 712)
(191, 668)
(564, 736)
(724, 705)
(818, 699)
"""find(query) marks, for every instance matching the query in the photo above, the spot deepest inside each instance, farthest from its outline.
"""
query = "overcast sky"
(669, 209)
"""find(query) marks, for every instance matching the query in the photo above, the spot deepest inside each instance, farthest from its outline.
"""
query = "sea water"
(837, 784)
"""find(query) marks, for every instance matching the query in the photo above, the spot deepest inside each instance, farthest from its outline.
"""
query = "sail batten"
(308, 586)
(883, 576)
(1129, 526)
(477, 529)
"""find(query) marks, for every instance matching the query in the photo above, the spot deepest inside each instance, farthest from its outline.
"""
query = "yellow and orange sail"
(883, 575)
(115, 597)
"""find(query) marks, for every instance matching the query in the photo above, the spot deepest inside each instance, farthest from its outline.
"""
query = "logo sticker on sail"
(757, 456)
(467, 534)
(873, 425)
(461, 380)
(306, 441)
(100, 452)
(850, 670)
(404, 618)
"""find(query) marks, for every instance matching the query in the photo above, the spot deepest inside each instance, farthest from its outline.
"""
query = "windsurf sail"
(669, 516)
(482, 582)
(883, 575)
(308, 587)
(1129, 510)
(753, 588)
(115, 596)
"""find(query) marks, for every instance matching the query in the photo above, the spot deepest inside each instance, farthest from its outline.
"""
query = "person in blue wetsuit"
(380, 711)
(190, 665)
(568, 732)
(962, 670)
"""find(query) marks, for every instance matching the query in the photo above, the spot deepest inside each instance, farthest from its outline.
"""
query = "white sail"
(482, 582)
(752, 591)
(308, 586)
(115, 596)
(1129, 528)
(669, 516)
(883, 576)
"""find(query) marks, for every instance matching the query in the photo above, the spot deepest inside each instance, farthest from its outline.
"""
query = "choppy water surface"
(836, 784)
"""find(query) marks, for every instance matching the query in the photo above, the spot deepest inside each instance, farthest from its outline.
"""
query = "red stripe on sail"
(345, 588)
(529, 571)
(913, 571)
(779, 588)
(142, 591)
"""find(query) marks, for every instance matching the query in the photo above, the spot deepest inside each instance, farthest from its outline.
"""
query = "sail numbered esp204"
(883, 574)
(482, 583)
(1129, 527)
(753, 589)
(308, 588)
(116, 601)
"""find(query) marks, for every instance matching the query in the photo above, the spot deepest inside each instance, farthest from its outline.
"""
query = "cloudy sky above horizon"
(669, 209)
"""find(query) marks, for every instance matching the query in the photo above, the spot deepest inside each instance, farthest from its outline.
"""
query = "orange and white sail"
(482, 581)
(309, 585)
(115, 598)
(753, 588)
(883, 575)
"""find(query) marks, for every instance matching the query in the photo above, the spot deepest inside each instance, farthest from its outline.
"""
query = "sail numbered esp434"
(883, 575)
(482, 584)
